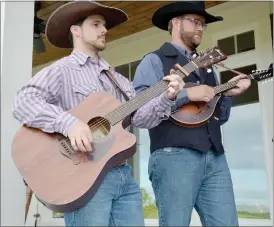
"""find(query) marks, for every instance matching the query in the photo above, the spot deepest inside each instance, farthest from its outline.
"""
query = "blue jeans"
(118, 202)
(184, 178)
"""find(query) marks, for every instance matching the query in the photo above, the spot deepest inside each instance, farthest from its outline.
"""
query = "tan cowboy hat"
(59, 23)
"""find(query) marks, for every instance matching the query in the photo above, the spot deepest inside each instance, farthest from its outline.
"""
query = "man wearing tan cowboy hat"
(63, 85)
(187, 166)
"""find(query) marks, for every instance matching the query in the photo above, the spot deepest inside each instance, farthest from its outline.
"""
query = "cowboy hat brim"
(166, 13)
(59, 23)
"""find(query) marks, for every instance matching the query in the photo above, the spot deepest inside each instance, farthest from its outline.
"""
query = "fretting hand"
(242, 86)
(176, 84)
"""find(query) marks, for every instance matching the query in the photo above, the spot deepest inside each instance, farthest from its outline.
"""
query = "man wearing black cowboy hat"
(187, 166)
(61, 86)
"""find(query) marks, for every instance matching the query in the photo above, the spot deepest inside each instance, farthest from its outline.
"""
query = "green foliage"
(58, 215)
(245, 214)
(150, 209)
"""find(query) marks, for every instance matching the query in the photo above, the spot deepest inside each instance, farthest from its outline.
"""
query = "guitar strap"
(112, 78)
(127, 120)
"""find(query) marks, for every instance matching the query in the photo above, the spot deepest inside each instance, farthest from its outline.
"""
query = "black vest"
(168, 134)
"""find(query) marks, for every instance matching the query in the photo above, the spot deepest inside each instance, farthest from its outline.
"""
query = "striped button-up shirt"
(42, 103)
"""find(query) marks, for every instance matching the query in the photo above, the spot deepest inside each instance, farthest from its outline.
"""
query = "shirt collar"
(184, 52)
(82, 58)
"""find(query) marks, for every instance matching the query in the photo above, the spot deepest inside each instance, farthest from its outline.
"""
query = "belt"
(122, 163)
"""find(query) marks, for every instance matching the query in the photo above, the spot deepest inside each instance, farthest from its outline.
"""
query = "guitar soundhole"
(100, 127)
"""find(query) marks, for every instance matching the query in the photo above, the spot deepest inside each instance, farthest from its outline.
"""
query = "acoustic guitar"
(195, 114)
(63, 179)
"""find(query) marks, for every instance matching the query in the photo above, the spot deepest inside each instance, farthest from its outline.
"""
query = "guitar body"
(194, 114)
(66, 181)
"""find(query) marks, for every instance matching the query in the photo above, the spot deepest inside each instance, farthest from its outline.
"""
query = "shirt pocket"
(84, 89)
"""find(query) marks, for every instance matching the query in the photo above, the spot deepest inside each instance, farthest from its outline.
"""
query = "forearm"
(33, 111)
(181, 100)
(152, 113)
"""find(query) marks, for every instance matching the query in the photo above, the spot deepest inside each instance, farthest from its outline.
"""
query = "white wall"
(2, 25)
(16, 61)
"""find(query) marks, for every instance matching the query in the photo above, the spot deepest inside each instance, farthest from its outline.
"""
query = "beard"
(191, 39)
(99, 44)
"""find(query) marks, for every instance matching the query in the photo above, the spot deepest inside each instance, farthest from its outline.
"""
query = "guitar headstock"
(262, 75)
(209, 58)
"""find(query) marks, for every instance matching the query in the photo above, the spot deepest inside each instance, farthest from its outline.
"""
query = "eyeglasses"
(197, 22)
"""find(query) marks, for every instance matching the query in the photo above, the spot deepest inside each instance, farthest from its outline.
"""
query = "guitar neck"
(132, 105)
(224, 87)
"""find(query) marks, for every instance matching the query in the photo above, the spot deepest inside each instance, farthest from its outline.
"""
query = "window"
(245, 41)
(128, 70)
(243, 143)
(123, 70)
(227, 45)
(133, 67)
(251, 95)
(238, 43)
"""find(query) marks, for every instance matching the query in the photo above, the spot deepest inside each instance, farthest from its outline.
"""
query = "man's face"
(191, 29)
(93, 32)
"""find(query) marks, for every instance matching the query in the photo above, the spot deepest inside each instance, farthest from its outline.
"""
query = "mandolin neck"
(224, 87)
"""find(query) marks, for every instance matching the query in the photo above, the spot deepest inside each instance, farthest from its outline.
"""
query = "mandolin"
(195, 114)
(63, 179)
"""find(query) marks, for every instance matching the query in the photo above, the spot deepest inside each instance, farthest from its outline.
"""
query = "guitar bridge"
(68, 151)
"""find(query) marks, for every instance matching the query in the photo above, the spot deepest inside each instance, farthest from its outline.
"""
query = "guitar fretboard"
(129, 107)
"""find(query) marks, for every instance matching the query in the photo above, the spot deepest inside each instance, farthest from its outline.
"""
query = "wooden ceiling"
(139, 13)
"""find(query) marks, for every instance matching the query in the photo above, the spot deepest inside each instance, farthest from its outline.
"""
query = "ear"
(176, 23)
(75, 30)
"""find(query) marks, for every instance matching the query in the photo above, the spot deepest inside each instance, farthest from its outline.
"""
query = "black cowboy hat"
(167, 12)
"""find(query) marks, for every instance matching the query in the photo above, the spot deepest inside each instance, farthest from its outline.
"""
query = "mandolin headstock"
(262, 75)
